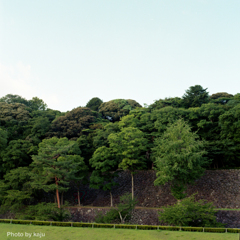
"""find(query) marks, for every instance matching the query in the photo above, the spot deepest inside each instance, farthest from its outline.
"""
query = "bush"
(76, 224)
(169, 228)
(63, 224)
(192, 229)
(41, 223)
(147, 227)
(111, 216)
(217, 230)
(44, 211)
(121, 214)
(125, 226)
(103, 226)
(233, 230)
(190, 213)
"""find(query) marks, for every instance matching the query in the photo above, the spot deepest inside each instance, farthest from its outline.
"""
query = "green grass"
(71, 233)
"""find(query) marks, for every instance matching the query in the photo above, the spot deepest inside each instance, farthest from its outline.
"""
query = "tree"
(105, 164)
(195, 96)
(115, 109)
(72, 124)
(220, 97)
(15, 189)
(122, 212)
(3, 139)
(11, 98)
(37, 104)
(14, 118)
(94, 103)
(54, 167)
(126, 206)
(190, 213)
(179, 158)
(167, 102)
(129, 145)
(100, 137)
(230, 125)
(16, 154)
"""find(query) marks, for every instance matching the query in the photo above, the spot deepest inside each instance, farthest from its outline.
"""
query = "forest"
(42, 149)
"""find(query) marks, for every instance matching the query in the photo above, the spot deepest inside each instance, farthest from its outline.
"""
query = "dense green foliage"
(190, 213)
(179, 158)
(42, 150)
(121, 213)
(44, 212)
(94, 103)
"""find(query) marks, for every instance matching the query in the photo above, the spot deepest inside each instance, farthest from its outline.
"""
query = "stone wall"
(218, 186)
(149, 216)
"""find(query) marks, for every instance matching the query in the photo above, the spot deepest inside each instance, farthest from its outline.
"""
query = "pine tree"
(53, 167)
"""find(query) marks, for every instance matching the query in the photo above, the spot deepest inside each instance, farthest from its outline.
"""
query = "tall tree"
(72, 124)
(94, 103)
(179, 158)
(54, 167)
(15, 189)
(130, 146)
(105, 163)
(16, 154)
(230, 125)
(195, 96)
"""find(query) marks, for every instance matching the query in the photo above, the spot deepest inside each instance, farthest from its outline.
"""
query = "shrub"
(44, 211)
(122, 213)
(76, 224)
(190, 213)
(147, 227)
(218, 230)
(110, 217)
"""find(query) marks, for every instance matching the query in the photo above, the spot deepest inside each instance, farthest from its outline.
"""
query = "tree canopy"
(115, 109)
(179, 158)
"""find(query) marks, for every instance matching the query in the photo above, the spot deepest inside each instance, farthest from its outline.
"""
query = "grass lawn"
(72, 233)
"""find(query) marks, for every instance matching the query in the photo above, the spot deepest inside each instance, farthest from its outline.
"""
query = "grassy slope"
(69, 233)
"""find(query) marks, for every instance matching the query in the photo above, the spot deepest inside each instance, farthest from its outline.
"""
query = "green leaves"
(195, 96)
(115, 109)
(191, 213)
(54, 167)
(179, 157)
(129, 145)
(105, 165)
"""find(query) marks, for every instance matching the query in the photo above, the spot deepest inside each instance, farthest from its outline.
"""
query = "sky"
(67, 52)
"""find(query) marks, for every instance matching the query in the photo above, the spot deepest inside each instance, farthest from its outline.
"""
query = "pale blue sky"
(67, 52)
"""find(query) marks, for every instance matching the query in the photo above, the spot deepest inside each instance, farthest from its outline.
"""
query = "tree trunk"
(62, 198)
(57, 193)
(111, 199)
(120, 215)
(132, 187)
(79, 203)
(58, 200)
